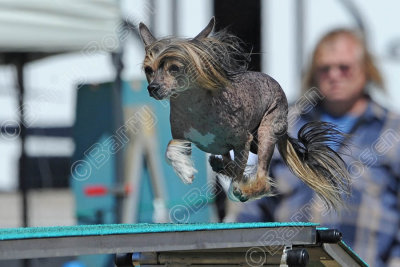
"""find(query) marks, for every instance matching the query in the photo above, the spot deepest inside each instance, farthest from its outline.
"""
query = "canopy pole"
(118, 122)
(22, 178)
(19, 64)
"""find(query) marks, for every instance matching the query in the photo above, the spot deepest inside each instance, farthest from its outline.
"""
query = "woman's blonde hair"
(371, 70)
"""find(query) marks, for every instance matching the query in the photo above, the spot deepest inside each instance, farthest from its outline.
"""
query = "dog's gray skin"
(231, 126)
(250, 114)
(250, 123)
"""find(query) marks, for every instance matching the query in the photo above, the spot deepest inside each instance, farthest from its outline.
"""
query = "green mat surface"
(112, 229)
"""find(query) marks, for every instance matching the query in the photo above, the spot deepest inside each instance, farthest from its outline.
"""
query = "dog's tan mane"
(212, 62)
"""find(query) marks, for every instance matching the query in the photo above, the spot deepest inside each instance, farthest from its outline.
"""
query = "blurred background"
(81, 141)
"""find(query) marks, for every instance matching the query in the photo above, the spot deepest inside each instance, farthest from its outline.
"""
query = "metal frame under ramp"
(226, 244)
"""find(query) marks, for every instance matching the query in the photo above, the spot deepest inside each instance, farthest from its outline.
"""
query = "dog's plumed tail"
(311, 158)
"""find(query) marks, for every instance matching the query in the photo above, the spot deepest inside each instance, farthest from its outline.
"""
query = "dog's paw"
(185, 172)
(216, 163)
(251, 189)
(179, 156)
(235, 194)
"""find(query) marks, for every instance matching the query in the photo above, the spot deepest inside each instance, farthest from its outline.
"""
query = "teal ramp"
(154, 243)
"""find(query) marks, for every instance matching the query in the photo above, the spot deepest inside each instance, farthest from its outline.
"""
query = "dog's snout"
(154, 90)
(153, 87)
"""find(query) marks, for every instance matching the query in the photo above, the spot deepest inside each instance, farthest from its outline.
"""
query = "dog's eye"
(148, 71)
(173, 69)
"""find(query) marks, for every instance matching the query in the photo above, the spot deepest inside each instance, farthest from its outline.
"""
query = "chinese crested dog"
(218, 105)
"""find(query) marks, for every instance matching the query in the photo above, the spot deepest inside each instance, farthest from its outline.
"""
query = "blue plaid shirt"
(370, 222)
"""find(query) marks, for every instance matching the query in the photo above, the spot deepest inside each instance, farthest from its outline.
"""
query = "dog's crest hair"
(212, 62)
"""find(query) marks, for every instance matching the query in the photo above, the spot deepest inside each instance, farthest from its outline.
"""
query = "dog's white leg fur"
(250, 173)
(179, 157)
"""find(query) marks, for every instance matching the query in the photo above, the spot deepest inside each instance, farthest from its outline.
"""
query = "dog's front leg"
(178, 155)
(220, 164)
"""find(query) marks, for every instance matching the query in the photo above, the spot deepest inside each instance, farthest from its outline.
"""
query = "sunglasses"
(344, 69)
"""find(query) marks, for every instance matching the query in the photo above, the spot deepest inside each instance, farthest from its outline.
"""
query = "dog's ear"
(146, 35)
(207, 30)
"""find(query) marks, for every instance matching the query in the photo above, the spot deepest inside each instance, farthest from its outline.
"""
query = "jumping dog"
(218, 105)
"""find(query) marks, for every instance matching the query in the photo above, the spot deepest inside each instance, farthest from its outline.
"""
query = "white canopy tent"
(53, 26)
(32, 29)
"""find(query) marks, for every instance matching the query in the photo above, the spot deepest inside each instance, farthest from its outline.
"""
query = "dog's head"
(173, 65)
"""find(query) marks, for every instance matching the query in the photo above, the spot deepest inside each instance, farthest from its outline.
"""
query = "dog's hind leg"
(178, 155)
(272, 126)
